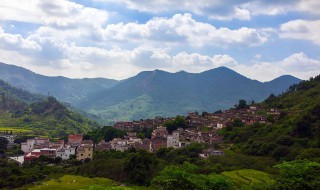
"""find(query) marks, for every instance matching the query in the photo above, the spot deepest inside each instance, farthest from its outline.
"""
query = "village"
(77, 147)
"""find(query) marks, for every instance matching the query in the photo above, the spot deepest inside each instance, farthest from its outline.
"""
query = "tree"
(204, 114)
(178, 122)
(284, 140)
(186, 177)
(280, 151)
(242, 104)
(298, 175)
(138, 164)
(3, 143)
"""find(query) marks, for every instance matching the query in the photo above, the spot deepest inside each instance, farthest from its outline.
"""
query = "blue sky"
(260, 39)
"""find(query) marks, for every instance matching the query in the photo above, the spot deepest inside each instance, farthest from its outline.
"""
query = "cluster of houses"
(83, 149)
(214, 120)
(160, 139)
(75, 145)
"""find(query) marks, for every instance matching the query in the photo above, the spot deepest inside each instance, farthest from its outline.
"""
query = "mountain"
(281, 83)
(12, 99)
(150, 93)
(23, 110)
(65, 89)
(153, 93)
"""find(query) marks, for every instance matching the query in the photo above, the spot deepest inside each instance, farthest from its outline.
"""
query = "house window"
(89, 149)
(89, 154)
(81, 154)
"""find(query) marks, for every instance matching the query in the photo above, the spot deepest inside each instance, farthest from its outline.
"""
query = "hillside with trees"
(42, 116)
(160, 93)
(294, 135)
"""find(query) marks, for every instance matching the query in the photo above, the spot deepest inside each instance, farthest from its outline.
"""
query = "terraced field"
(248, 177)
(73, 182)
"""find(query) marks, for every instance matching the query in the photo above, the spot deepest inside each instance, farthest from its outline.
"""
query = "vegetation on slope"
(295, 135)
(51, 118)
(12, 98)
(24, 111)
(159, 93)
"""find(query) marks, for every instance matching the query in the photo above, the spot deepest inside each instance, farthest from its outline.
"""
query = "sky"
(261, 39)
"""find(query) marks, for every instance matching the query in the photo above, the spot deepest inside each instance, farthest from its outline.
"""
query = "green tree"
(186, 177)
(3, 143)
(204, 114)
(242, 104)
(280, 152)
(178, 122)
(298, 175)
(138, 165)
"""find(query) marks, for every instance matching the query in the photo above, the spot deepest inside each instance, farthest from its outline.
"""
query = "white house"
(119, 144)
(220, 125)
(65, 153)
(173, 140)
(28, 146)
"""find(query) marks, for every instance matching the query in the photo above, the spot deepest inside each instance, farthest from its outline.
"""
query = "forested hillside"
(41, 116)
(159, 93)
(294, 135)
(12, 98)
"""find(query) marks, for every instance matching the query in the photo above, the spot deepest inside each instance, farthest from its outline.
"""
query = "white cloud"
(301, 30)
(196, 62)
(58, 13)
(298, 65)
(309, 6)
(76, 62)
(223, 10)
(182, 28)
(224, 60)
(17, 42)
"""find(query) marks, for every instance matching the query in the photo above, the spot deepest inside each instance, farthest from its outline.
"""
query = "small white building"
(65, 153)
(220, 125)
(119, 144)
(173, 140)
(28, 146)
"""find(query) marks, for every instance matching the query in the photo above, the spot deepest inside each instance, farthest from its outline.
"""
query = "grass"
(73, 182)
(248, 177)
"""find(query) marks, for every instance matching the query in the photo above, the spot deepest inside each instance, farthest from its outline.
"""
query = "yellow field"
(14, 130)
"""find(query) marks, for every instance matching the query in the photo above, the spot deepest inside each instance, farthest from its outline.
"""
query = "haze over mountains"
(150, 93)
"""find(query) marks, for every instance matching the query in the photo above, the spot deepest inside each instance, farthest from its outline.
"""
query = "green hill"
(294, 134)
(154, 93)
(23, 111)
(12, 98)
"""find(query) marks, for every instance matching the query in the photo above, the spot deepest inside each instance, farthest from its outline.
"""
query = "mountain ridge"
(65, 89)
(153, 93)
(168, 94)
